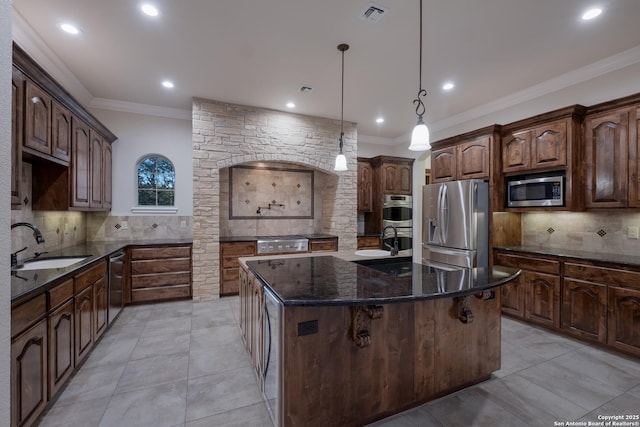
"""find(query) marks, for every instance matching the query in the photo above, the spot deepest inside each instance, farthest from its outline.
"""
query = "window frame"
(154, 208)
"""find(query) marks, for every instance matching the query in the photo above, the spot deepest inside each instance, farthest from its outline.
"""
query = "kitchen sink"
(372, 252)
(53, 262)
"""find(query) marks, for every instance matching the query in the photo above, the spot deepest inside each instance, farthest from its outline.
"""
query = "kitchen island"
(335, 342)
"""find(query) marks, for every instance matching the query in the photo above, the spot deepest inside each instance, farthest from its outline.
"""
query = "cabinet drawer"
(160, 266)
(60, 294)
(161, 252)
(229, 287)
(159, 294)
(164, 279)
(608, 276)
(323, 245)
(238, 249)
(85, 279)
(528, 263)
(25, 315)
(230, 274)
(366, 242)
(230, 261)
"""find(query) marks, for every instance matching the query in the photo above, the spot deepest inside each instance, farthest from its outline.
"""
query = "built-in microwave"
(546, 191)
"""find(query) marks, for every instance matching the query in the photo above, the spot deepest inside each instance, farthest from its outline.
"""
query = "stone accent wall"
(226, 135)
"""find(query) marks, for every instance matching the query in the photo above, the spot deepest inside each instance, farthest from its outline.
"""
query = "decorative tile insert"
(550, 230)
(601, 232)
(117, 226)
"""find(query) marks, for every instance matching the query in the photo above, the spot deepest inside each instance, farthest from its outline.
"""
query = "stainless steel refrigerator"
(455, 227)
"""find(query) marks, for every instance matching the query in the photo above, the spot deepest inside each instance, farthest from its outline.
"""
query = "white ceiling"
(258, 52)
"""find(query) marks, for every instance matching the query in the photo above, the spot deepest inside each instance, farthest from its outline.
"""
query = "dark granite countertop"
(328, 280)
(622, 259)
(231, 239)
(26, 283)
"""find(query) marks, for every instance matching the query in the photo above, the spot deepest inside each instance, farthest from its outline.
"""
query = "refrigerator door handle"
(443, 214)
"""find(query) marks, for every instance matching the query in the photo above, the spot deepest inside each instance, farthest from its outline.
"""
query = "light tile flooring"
(184, 364)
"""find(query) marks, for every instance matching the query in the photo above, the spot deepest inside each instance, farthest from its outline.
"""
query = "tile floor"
(183, 364)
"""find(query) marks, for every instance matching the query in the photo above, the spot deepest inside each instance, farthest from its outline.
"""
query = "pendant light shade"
(420, 134)
(341, 160)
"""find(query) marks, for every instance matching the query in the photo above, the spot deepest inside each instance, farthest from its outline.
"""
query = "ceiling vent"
(373, 12)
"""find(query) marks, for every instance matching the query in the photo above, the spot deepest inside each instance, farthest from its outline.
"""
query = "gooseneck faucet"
(394, 249)
(36, 235)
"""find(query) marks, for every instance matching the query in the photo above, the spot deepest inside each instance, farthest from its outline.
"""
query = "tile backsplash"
(109, 228)
(600, 232)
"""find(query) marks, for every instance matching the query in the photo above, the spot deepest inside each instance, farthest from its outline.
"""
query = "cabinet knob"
(36, 99)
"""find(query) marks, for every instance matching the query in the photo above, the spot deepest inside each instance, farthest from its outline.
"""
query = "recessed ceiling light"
(168, 84)
(380, 120)
(69, 28)
(448, 86)
(291, 105)
(591, 13)
(149, 9)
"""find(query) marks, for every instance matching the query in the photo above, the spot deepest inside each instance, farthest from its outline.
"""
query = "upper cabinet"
(18, 81)
(69, 148)
(544, 143)
(611, 155)
(466, 156)
(365, 182)
(394, 175)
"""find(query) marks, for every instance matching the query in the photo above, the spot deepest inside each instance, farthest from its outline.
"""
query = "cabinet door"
(365, 182)
(390, 178)
(516, 152)
(61, 132)
(107, 176)
(624, 319)
(100, 307)
(584, 309)
(606, 160)
(542, 300)
(96, 180)
(473, 159)
(634, 162)
(549, 146)
(38, 119)
(83, 315)
(405, 179)
(17, 120)
(29, 375)
(80, 161)
(443, 164)
(61, 350)
(513, 297)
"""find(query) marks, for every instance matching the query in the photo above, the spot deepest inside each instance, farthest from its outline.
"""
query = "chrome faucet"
(36, 235)
(394, 249)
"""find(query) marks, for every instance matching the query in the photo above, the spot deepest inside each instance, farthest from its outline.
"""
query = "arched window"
(156, 181)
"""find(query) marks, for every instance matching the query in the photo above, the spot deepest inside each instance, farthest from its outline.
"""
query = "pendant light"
(420, 134)
(341, 160)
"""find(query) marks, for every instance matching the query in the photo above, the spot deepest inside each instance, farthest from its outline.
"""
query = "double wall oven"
(397, 210)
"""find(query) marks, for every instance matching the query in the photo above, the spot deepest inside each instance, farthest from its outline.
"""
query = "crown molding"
(132, 107)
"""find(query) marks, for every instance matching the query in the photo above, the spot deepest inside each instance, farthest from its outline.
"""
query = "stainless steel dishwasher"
(116, 279)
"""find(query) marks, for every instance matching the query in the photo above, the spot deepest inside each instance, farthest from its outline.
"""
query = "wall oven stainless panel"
(398, 208)
(540, 191)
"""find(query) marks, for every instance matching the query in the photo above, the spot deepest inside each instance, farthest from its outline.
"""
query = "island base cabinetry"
(404, 355)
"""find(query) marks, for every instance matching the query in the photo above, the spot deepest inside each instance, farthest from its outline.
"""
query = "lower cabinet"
(323, 245)
(251, 312)
(229, 267)
(160, 273)
(584, 309)
(535, 295)
(369, 242)
(100, 306)
(61, 335)
(29, 375)
(624, 319)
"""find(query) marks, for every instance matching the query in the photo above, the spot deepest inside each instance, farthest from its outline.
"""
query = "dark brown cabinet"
(29, 375)
(464, 160)
(365, 183)
(83, 315)
(101, 306)
(396, 177)
(229, 266)
(624, 319)
(107, 176)
(88, 319)
(160, 273)
(60, 132)
(606, 139)
(323, 245)
(96, 182)
(542, 147)
(61, 335)
(584, 309)
(18, 82)
(251, 308)
(535, 296)
(369, 242)
(80, 161)
(37, 119)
